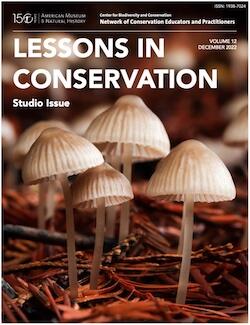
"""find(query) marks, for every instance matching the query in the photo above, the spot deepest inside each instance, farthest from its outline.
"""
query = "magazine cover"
(124, 170)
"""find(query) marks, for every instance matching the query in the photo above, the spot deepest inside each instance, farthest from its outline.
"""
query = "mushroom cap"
(235, 105)
(192, 168)
(129, 120)
(231, 156)
(29, 136)
(236, 134)
(57, 152)
(82, 122)
(101, 182)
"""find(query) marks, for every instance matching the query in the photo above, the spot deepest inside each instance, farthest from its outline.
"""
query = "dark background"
(185, 113)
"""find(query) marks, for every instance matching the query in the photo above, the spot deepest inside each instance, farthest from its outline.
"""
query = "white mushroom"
(100, 187)
(57, 154)
(190, 173)
(128, 132)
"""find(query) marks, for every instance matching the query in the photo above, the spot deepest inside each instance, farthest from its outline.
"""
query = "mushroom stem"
(41, 205)
(127, 171)
(50, 201)
(99, 240)
(111, 211)
(188, 220)
(70, 228)
(180, 245)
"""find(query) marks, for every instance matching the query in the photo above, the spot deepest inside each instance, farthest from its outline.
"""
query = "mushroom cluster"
(124, 133)
(128, 132)
(58, 154)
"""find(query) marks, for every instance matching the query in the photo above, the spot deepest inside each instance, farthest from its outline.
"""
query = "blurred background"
(194, 113)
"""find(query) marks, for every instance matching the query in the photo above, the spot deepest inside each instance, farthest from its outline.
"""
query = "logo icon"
(20, 18)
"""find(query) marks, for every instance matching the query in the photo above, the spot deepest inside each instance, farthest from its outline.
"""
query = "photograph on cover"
(124, 171)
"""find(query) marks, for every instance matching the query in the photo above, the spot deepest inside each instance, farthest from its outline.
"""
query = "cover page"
(124, 170)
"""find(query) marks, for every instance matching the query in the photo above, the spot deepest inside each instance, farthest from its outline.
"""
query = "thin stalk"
(50, 203)
(180, 245)
(99, 240)
(188, 218)
(42, 189)
(127, 171)
(111, 211)
(70, 228)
